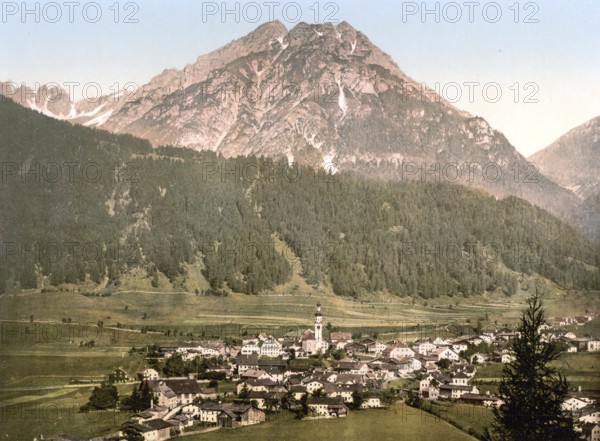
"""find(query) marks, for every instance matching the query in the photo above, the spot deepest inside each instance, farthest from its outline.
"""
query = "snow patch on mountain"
(343, 105)
(290, 158)
(99, 120)
(328, 165)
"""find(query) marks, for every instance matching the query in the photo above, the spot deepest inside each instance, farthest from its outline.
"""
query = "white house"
(360, 369)
(152, 430)
(591, 432)
(591, 415)
(423, 347)
(209, 412)
(593, 345)
(250, 348)
(425, 383)
(313, 386)
(460, 379)
(327, 407)
(340, 339)
(460, 346)
(270, 348)
(455, 392)
(431, 393)
(147, 373)
(574, 403)
(447, 353)
(415, 364)
(398, 350)
(438, 341)
(371, 401)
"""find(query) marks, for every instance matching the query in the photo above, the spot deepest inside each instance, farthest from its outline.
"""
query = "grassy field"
(400, 423)
(581, 369)
(51, 366)
(291, 309)
(470, 419)
(54, 413)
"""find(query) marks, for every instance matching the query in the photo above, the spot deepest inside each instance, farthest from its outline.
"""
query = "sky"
(532, 69)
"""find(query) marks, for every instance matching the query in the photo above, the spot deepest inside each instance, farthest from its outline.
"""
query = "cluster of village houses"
(265, 378)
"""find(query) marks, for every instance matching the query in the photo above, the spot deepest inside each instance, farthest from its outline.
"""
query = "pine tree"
(532, 390)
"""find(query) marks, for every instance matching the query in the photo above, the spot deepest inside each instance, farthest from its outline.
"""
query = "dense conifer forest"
(81, 204)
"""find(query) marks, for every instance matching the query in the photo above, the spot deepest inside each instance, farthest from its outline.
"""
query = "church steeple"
(318, 327)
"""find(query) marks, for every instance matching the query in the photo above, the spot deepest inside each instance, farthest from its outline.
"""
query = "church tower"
(318, 328)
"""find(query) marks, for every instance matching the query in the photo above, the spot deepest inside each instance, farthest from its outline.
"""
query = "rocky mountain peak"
(322, 95)
(573, 160)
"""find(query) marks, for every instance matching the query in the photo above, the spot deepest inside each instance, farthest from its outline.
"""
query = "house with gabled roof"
(313, 385)
(441, 353)
(338, 340)
(147, 373)
(574, 403)
(297, 390)
(398, 350)
(486, 400)
(455, 392)
(256, 374)
(266, 400)
(245, 362)
(209, 412)
(327, 407)
(251, 347)
(589, 414)
(152, 430)
(459, 346)
(593, 345)
(237, 415)
(257, 385)
(371, 400)
(173, 392)
(591, 431)
(373, 346)
(460, 379)
(431, 393)
(361, 368)
(271, 348)
(423, 347)
(355, 348)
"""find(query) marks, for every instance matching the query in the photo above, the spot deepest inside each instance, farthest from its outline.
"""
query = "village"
(317, 377)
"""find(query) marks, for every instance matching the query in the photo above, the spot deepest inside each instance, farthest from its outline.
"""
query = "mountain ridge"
(324, 96)
(573, 159)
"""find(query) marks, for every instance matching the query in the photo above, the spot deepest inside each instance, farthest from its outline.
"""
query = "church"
(312, 341)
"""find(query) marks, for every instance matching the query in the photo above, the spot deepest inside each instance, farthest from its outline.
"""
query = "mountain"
(573, 160)
(84, 208)
(323, 96)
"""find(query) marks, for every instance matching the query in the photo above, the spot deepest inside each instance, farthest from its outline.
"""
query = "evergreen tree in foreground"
(531, 389)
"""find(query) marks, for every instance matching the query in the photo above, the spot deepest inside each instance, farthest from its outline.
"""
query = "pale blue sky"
(560, 53)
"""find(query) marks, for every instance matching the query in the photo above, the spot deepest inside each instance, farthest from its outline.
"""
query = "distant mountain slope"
(323, 96)
(573, 160)
(117, 204)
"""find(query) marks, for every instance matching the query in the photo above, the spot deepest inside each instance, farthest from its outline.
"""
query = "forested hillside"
(81, 204)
